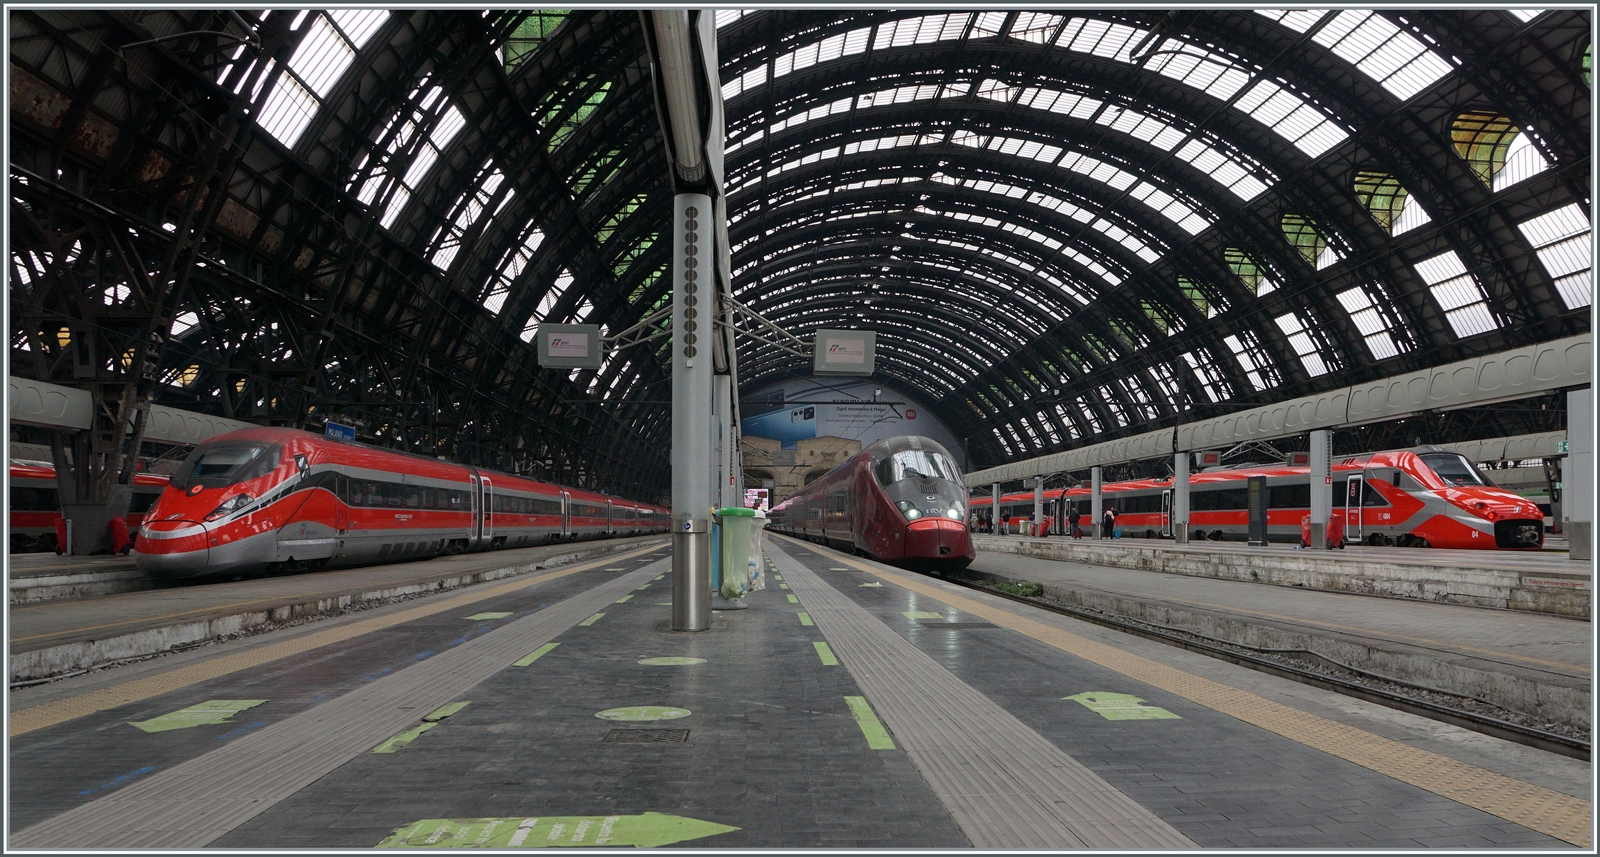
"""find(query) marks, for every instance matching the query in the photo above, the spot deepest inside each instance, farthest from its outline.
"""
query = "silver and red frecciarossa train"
(260, 497)
(1424, 497)
(900, 501)
(36, 504)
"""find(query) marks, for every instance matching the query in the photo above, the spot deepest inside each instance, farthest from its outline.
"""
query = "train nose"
(937, 538)
(173, 548)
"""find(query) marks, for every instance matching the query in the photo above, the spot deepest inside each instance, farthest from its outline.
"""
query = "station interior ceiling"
(1063, 227)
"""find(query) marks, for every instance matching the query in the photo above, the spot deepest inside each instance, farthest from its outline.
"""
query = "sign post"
(338, 432)
(1256, 504)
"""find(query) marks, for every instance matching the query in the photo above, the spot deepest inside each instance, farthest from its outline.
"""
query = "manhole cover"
(957, 626)
(646, 736)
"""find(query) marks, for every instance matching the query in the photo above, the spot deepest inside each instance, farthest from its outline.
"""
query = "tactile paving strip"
(192, 804)
(1002, 782)
(1535, 807)
(49, 714)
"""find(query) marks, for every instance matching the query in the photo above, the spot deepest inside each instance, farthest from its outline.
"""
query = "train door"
(611, 518)
(1166, 513)
(488, 508)
(341, 509)
(566, 515)
(477, 510)
(1352, 508)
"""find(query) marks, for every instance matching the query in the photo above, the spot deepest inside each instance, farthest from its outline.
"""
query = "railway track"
(1326, 673)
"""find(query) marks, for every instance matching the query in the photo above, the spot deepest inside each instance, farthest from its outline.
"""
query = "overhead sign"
(844, 352)
(570, 346)
(338, 431)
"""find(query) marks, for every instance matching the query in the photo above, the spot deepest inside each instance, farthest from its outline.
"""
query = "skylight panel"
(515, 262)
(744, 83)
(1247, 350)
(1298, 20)
(1374, 327)
(1304, 346)
(728, 16)
(1291, 118)
(359, 24)
(920, 31)
(1523, 161)
(1034, 27)
(1196, 67)
(184, 322)
(1463, 300)
(288, 110)
(1561, 241)
(468, 209)
(1099, 38)
(1209, 376)
(1526, 15)
(1393, 58)
(321, 56)
(318, 61)
(548, 303)
(1089, 414)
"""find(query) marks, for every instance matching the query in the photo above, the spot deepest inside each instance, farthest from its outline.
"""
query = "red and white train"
(262, 497)
(1425, 497)
(900, 501)
(36, 504)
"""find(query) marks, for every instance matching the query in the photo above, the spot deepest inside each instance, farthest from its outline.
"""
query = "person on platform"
(1108, 525)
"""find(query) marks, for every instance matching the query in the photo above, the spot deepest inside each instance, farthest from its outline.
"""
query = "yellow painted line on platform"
(871, 727)
(793, 600)
(49, 714)
(826, 654)
(591, 620)
(805, 619)
(1535, 807)
(623, 599)
(1566, 665)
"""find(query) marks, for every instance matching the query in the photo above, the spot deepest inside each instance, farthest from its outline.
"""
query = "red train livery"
(36, 504)
(900, 501)
(261, 497)
(1425, 497)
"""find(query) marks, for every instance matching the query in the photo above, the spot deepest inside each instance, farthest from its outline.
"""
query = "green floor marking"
(793, 600)
(591, 620)
(658, 577)
(444, 711)
(616, 569)
(665, 603)
(826, 654)
(650, 830)
(1120, 706)
(536, 654)
(877, 737)
(643, 712)
(394, 744)
(783, 586)
(920, 614)
(623, 598)
(207, 713)
(429, 721)
(805, 619)
(481, 617)
(873, 585)
(838, 568)
(672, 662)
(644, 586)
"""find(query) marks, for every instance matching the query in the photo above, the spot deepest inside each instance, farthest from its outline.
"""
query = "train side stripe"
(1535, 807)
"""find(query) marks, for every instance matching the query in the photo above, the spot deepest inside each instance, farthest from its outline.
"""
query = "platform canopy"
(1063, 228)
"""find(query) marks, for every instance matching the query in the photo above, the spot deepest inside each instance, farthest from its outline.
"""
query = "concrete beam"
(43, 404)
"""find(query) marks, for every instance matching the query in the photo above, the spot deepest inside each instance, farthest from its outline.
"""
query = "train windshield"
(1455, 470)
(917, 463)
(224, 465)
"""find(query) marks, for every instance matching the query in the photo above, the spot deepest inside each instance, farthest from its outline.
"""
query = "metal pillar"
(1038, 505)
(994, 509)
(1577, 482)
(1321, 478)
(1095, 507)
(1180, 498)
(692, 467)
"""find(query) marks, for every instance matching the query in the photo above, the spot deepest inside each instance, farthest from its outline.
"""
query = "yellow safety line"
(1535, 807)
(274, 602)
(50, 713)
(1393, 634)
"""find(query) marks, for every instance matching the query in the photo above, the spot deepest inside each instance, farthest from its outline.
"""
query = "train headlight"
(909, 509)
(953, 514)
(229, 506)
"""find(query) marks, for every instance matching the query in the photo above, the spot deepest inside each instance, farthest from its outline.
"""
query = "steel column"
(692, 466)
(1577, 489)
(1320, 478)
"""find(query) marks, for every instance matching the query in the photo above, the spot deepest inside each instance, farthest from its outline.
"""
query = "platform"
(63, 636)
(1534, 581)
(851, 706)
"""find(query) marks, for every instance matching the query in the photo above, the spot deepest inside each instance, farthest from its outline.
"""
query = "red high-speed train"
(264, 497)
(1425, 497)
(36, 504)
(900, 501)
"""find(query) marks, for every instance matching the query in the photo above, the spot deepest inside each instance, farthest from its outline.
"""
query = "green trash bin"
(737, 525)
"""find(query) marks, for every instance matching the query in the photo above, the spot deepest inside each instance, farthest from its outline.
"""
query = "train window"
(1289, 496)
(1455, 469)
(35, 500)
(142, 501)
(225, 464)
(1371, 497)
(922, 463)
(1219, 499)
(884, 470)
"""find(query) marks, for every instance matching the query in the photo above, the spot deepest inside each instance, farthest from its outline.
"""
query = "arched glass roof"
(1064, 226)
